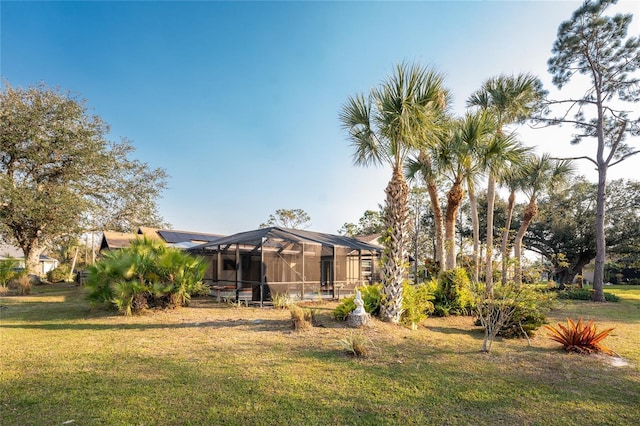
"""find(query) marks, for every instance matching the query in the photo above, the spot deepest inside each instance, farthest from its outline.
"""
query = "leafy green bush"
(371, 297)
(526, 307)
(529, 314)
(575, 293)
(145, 275)
(453, 295)
(416, 303)
(60, 274)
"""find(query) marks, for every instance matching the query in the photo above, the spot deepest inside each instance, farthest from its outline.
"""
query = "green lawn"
(216, 364)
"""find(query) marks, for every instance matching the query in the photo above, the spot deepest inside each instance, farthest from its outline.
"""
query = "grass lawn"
(212, 363)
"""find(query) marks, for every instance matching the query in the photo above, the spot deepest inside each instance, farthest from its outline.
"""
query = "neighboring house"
(300, 263)
(46, 263)
(180, 239)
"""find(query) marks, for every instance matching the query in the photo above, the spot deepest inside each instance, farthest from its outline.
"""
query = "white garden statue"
(358, 317)
(359, 304)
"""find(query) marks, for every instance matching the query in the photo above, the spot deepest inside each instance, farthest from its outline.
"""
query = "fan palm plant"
(540, 174)
(510, 99)
(384, 127)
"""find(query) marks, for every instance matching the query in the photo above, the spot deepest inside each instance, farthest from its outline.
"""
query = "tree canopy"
(59, 175)
(294, 219)
(597, 46)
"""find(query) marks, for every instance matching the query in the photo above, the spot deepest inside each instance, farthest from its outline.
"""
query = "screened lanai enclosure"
(255, 265)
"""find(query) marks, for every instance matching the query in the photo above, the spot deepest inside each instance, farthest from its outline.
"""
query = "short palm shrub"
(147, 274)
(371, 297)
(453, 293)
(580, 337)
(9, 272)
(417, 303)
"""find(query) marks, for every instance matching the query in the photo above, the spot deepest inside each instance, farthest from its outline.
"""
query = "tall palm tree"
(384, 127)
(512, 180)
(541, 174)
(424, 164)
(479, 138)
(511, 99)
(458, 160)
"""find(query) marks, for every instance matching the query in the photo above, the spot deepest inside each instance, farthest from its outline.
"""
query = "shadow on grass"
(253, 325)
(452, 330)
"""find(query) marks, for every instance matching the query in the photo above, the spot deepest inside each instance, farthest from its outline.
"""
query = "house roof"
(175, 237)
(258, 236)
(371, 238)
(116, 240)
(181, 239)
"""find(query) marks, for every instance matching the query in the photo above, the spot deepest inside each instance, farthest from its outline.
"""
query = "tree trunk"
(476, 233)
(32, 254)
(530, 212)
(395, 255)
(491, 196)
(598, 273)
(438, 222)
(505, 237)
(454, 199)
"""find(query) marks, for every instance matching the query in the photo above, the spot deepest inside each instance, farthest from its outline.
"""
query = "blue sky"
(239, 101)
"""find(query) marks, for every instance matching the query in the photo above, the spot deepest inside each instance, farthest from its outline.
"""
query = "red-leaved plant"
(580, 337)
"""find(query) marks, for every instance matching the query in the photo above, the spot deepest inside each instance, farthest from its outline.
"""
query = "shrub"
(355, 344)
(145, 275)
(528, 307)
(496, 309)
(579, 337)
(416, 303)
(576, 293)
(60, 274)
(281, 300)
(371, 297)
(21, 285)
(529, 314)
(301, 319)
(453, 295)
(9, 270)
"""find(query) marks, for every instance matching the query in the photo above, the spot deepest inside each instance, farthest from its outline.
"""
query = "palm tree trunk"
(438, 221)
(476, 233)
(491, 196)
(395, 254)
(530, 212)
(454, 199)
(505, 236)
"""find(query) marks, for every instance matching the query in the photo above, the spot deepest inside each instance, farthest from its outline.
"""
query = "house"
(181, 239)
(302, 264)
(46, 263)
